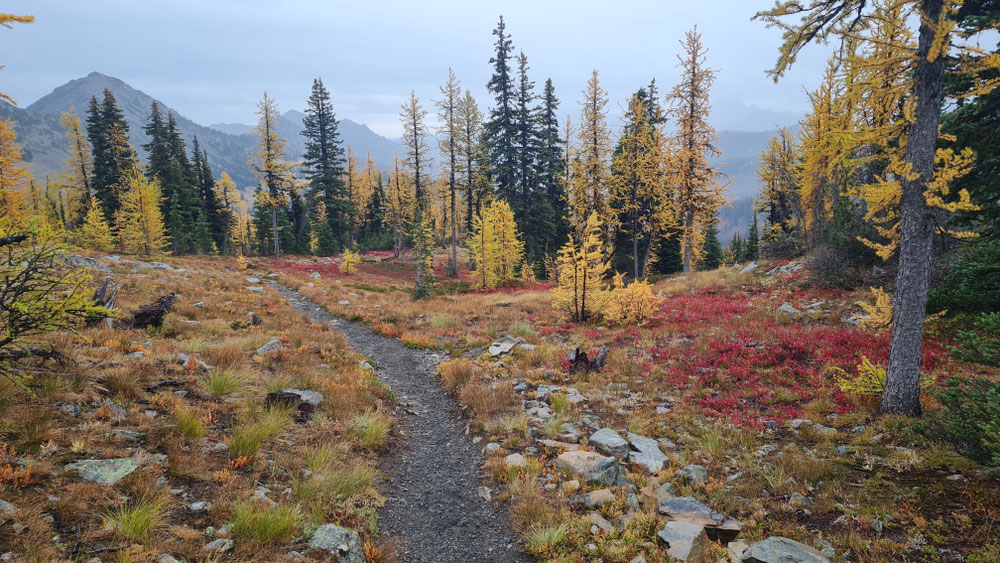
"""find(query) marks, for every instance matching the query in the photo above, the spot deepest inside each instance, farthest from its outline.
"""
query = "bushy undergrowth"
(970, 419)
(972, 285)
(980, 345)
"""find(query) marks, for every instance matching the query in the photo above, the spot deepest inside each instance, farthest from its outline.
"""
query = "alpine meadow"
(706, 282)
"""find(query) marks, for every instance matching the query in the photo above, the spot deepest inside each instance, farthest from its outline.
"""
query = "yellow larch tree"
(74, 179)
(399, 206)
(496, 246)
(269, 165)
(582, 290)
(14, 177)
(779, 195)
(588, 192)
(699, 189)
(639, 187)
(139, 221)
(228, 198)
(95, 233)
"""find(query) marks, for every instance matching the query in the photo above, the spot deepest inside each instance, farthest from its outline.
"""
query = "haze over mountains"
(229, 144)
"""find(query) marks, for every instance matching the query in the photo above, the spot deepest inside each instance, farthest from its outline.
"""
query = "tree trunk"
(902, 386)
(635, 249)
(274, 228)
(688, 241)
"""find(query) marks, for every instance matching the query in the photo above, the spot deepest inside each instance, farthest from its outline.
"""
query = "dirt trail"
(435, 470)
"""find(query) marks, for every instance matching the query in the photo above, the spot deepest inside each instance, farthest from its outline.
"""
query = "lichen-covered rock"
(777, 549)
(687, 509)
(647, 454)
(592, 467)
(344, 544)
(608, 442)
(685, 541)
(272, 346)
(104, 471)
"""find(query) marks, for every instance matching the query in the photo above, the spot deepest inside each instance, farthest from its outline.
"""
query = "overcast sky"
(212, 59)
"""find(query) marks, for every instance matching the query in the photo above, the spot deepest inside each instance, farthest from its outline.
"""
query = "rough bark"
(902, 388)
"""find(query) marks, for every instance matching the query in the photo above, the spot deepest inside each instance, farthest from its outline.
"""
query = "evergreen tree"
(551, 174)
(751, 250)
(711, 249)
(779, 193)
(736, 250)
(324, 162)
(501, 128)
(668, 252)
(229, 199)
(113, 157)
(324, 242)
(215, 216)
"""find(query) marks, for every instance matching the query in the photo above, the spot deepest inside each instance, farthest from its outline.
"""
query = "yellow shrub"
(349, 265)
(880, 312)
(632, 304)
(869, 380)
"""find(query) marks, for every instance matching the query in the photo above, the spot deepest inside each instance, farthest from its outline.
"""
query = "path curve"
(434, 470)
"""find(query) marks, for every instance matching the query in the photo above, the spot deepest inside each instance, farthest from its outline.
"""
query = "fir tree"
(324, 162)
(711, 249)
(551, 174)
(113, 157)
(500, 130)
(751, 249)
(214, 214)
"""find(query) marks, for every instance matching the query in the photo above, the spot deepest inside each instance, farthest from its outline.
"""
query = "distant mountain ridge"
(228, 147)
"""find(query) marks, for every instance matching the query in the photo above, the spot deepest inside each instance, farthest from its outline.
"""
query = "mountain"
(228, 145)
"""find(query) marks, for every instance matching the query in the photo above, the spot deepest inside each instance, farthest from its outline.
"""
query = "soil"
(432, 474)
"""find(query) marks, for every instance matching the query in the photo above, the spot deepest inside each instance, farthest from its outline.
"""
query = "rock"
(167, 558)
(126, 435)
(7, 508)
(341, 542)
(515, 460)
(796, 500)
(255, 288)
(638, 559)
(692, 475)
(653, 494)
(315, 275)
(83, 262)
(765, 449)
(220, 545)
(608, 442)
(272, 346)
(594, 498)
(687, 509)
(485, 493)
(137, 354)
(544, 392)
(197, 506)
(787, 308)
(824, 430)
(575, 397)
(844, 449)
(771, 424)
(526, 347)
(685, 541)
(70, 410)
(343, 302)
(104, 471)
(600, 359)
(749, 268)
(252, 279)
(648, 454)
(795, 423)
(492, 447)
(600, 522)
(728, 531)
(736, 550)
(503, 346)
(304, 402)
(200, 305)
(777, 549)
(366, 365)
(593, 467)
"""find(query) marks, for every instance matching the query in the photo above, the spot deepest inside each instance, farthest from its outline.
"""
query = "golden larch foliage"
(582, 291)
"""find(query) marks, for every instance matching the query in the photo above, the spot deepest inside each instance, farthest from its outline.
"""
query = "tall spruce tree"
(324, 162)
(711, 248)
(501, 127)
(551, 174)
(215, 216)
(113, 157)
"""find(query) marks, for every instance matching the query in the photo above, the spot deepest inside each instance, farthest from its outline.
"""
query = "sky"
(211, 60)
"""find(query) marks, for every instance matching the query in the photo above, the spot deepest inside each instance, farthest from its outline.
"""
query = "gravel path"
(434, 470)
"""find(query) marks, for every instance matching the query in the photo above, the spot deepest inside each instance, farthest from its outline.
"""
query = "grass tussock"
(370, 429)
(136, 519)
(455, 374)
(261, 523)
(248, 437)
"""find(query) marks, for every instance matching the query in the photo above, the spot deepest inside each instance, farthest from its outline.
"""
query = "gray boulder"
(607, 441)
(104, 471)
(344, 544)
(647, 453)
(592, 467)
(692, 475)
(7, 508)
(272, 346)
(685, 541)
(687, 509)
(777, 549)
(503, 346)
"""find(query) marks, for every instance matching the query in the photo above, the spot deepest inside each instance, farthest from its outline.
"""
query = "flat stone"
(503, 346)
(787, 308)
(7, 508)
(685, 541)
(220, 545)
(692, 475)
(126, 435)
(608, 442)
(601, 522)
(341, 542)
(687, 509)
(777, 549)
(594, 499)
(652, 494)
(749, 268)
(648, 454)
(255, 288)
(272, 346)
(252, 279)
(559, 446)
(167, 558)
(305, 402)
(592, 467)
(515, 460)
(104, 471)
